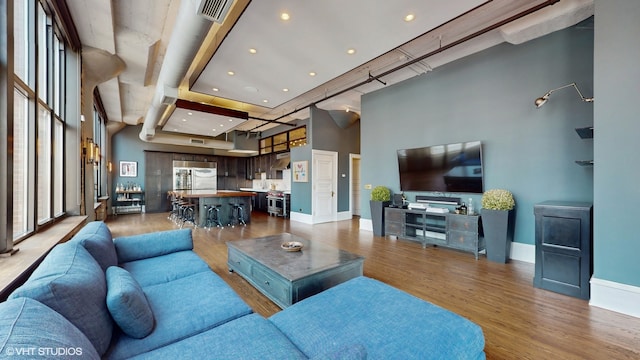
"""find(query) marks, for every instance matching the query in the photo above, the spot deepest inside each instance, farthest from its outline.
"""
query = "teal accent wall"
(301, 191)
(489, 96)
(617, 128)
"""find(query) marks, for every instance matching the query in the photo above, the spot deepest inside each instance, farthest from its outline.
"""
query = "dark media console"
(461, 232)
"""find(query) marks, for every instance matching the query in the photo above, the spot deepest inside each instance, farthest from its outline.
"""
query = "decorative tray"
(291, 246)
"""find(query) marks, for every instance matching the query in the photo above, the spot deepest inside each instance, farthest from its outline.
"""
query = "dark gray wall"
(617, 127)
(490, 97)
(324, 134)
(327, 135)
(127, 146)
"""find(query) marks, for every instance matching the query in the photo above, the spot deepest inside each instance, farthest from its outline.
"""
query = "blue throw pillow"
(127, 303)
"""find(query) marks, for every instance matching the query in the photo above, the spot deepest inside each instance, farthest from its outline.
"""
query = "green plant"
(498, 199)
(381, 193)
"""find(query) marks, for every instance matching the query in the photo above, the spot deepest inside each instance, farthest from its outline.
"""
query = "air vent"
(197, 141)
(214, 10)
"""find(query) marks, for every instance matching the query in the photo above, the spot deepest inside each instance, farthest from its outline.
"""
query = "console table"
(288, 277)
(461, 232)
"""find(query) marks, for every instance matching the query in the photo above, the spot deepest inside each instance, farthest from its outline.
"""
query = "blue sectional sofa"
(151, 297)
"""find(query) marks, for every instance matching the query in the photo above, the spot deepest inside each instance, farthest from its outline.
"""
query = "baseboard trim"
(366, 224)
(615, 296)
(523, 252)
(308, 219)
(300, 217)
(344, 215)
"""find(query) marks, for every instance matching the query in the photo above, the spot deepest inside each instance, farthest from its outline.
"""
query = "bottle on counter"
(463, 209)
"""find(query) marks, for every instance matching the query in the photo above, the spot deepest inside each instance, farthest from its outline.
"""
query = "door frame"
(334, 185)
(352, 157)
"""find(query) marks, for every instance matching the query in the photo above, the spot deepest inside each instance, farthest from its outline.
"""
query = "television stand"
(455, 231)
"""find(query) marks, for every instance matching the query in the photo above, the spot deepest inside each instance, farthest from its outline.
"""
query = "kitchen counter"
(264, 190)
(225, 198)
(190, 194)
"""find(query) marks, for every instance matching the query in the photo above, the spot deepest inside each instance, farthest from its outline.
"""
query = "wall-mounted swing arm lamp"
(542, 100)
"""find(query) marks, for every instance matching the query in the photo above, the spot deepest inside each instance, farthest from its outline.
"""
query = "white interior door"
(324, 177)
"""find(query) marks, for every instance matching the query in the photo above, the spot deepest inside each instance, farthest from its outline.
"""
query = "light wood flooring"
(518, 320)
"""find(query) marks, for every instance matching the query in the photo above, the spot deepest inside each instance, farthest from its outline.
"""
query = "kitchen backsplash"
(280, 184)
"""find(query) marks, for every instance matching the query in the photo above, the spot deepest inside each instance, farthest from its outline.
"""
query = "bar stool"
(188, 214)
(237, 214)
(213, 216)
(175, 208)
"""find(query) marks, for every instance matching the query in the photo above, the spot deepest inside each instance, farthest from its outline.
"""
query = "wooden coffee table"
(288, 277)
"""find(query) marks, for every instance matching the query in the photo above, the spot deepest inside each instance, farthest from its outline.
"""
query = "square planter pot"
(498, 234)
(377, 216)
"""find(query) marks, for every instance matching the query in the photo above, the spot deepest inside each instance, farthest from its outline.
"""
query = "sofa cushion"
(182, 308)
(96, 238)
(248, 337)
(31, 330)
(143, 246)
(165, 268)
(127, 303)
(388, 322)
(71, 282)
(348, 352)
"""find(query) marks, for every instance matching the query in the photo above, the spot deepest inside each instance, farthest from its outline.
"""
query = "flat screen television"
(442, 168)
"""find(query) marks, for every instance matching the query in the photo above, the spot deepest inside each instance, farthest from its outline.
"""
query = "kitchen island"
(224, 199)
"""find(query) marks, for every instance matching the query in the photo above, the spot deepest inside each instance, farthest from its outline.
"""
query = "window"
(43, 159)
(43, 60)
(265, 145)
(58, 174)
(42, 66)
(298, 137)
(99, 138)
(21, 212)
(284, 141)
(21, 32)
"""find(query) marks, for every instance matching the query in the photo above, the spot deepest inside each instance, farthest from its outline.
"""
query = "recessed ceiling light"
(312, 73)
(409, 17)
(253, 51)
(221, 125)
(184, 119)
(215, 89)
(230, 120)
(285, 89)
(189, 113)
(351, 51)
(265, 101)
(213, 129)
(284, 16)
(230, 73)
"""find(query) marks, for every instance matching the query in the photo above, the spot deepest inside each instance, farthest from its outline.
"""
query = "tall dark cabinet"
(158, 181)
(564, 247)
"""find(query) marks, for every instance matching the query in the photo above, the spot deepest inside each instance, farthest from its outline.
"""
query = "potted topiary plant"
(380, 198)
(497, 223)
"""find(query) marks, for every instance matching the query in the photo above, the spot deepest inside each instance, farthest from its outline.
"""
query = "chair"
(213, 216)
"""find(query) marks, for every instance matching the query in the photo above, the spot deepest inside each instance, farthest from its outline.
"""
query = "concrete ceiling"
(272, 84)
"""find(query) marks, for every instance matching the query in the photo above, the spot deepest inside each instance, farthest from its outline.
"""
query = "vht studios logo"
(43, 351)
